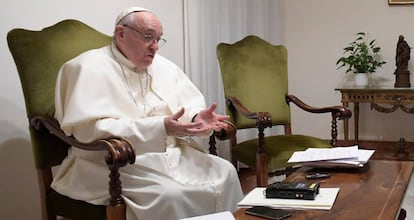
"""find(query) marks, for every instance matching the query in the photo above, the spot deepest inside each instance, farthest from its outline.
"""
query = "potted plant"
(361, 57)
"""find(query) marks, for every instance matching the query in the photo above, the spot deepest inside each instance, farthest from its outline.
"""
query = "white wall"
(18, 185)
(315, 33)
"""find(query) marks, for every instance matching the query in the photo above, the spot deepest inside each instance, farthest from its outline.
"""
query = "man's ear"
(119, 31)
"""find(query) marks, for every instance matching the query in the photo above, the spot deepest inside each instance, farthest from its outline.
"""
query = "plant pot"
(361, 79)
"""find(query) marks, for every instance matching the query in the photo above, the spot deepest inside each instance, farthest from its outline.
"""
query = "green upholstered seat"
(38, 56)
(278, 147)
(255, 80)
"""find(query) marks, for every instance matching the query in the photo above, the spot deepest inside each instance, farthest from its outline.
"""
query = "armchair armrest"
(224, 134)
(120, 152)
(340, 112)
(337, 112)
(263, 119)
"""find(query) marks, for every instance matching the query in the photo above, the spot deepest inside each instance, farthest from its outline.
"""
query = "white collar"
(121, 59)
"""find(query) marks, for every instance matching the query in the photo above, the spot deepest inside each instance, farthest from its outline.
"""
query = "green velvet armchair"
(255, 80)
(38, 56)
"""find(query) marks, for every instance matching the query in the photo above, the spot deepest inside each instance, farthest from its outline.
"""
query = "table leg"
(346, 125)
(356, 120)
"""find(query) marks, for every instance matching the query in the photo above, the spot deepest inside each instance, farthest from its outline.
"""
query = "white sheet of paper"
(216, 216)
(317, 154)
(363, 158)
(324, 200)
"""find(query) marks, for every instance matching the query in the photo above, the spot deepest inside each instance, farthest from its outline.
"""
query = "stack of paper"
(324, 200)
(332, 157)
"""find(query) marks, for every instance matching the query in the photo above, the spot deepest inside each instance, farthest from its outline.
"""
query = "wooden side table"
(382, 99)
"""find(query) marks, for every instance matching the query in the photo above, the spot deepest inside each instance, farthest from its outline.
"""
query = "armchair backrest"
(38, 56)
(255, 72)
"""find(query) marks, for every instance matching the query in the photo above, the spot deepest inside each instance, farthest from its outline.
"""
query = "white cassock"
(99, 94)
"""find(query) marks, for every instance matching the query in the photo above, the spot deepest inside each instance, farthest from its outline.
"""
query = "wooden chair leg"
(261, 169)
(117, 212)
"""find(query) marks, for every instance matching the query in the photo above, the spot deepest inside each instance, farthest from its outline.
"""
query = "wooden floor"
(247, 179)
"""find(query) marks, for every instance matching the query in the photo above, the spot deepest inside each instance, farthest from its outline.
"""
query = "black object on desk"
(267, 212)
(317, 175)
(292, 190)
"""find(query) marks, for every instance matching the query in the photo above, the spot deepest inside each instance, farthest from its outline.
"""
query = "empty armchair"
(255, 79)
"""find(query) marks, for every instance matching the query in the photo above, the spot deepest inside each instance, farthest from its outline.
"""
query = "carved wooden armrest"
(120, 151)
(263, 119)
(224, 134)
(338, 112)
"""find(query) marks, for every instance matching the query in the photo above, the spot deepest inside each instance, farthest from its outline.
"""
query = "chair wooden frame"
(120, 153)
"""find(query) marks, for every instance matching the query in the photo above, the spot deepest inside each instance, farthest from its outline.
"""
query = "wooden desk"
(373, 192)
(393, 98)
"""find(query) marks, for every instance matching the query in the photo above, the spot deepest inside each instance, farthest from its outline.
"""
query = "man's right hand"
(176, 128)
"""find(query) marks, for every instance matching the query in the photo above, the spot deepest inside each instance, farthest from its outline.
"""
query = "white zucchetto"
(128, 11)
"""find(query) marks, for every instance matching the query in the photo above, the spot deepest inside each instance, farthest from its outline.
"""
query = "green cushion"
(74, 209)
(279, 149)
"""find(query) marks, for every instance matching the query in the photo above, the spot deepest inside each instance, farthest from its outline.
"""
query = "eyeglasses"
(148, 38)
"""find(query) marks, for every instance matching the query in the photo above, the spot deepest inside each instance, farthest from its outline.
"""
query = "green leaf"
(360, 55)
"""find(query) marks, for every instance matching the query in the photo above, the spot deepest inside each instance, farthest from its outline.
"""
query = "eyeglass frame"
(148, 38)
